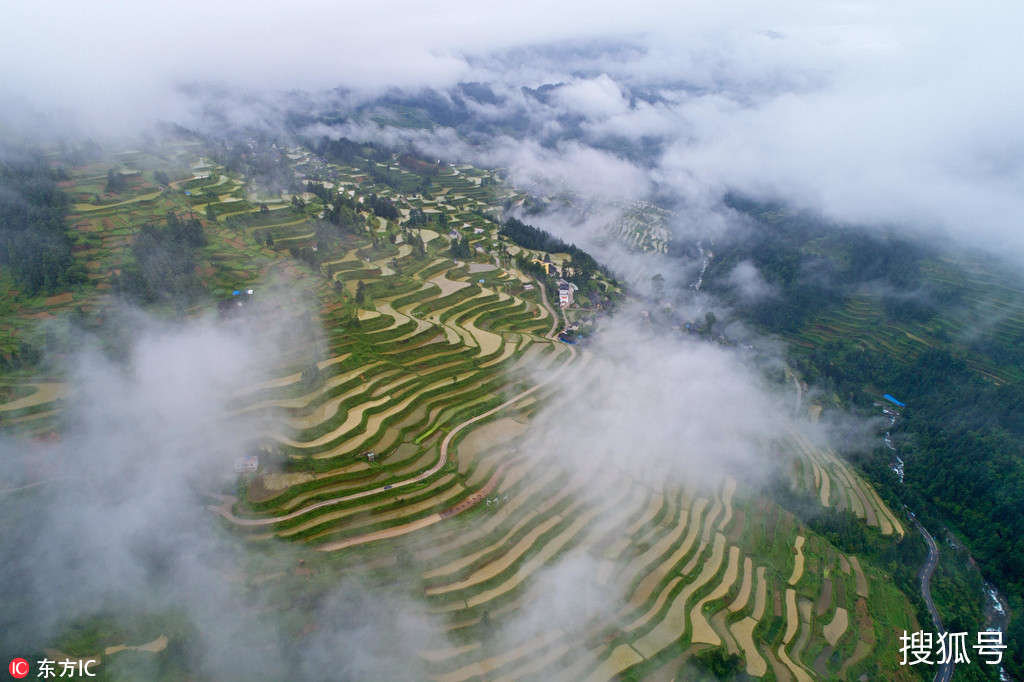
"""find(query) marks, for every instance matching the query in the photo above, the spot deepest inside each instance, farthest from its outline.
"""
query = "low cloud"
(747, 281)
(118, 525)
(660, 407)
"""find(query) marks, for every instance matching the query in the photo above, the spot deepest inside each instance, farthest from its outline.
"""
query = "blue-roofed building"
(893, 400)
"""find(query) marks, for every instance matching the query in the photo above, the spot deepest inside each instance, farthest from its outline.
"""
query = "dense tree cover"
(849, 533)
(719, 663)
(339, 209)
(962, 433)
(265, 165)
(816, 264)
(306, 254)
(416, 242)
(345, 151)
(34, 240)
(967, 450)
(116, 182)
(383, 207)
(417, 218)
(579, 269)
(460, 248)
(79, 154)
(531, 237)
(164, 263)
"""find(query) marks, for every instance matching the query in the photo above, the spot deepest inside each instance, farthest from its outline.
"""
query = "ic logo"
(19, 668)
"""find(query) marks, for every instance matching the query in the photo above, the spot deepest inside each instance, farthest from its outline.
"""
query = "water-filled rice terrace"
(407, 450)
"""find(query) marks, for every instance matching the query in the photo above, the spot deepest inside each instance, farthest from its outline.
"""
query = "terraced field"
(988, 304)
(404, 443)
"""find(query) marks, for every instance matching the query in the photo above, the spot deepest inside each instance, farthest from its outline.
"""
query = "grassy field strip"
(621, 658)
(439, 655)
(721, 628)
(510, 349)
(494, 523)
(25, 419)
(609, 559)
(885, 514)
(689, 521)
(339, 487)
(373, 422)
(444, 354)
(488, 342)
(535, 663)
(327, 410)
(865, 643)
(452, 336)
(44, 393)
(854, 484)
(853, 501)
(446, 285)
(377, 419)
(531, 356)
(393, 532)
(355, 416)
(797, 671)
(673, 625)
(657, 499)
(815, 457)
(482, 668)
(740, 602)
(798, 561)
(743, 631)
(469, 560)
(825, 491)
(421, 295)
(489, 435)
(421, 325)
(465, 337)
(862, 583)
(835, 629)
(804, 607)
(547, 551)
(825, 597)
(806, 475)
(792, 624)
(89, 208)
(727, 491)
(654, 575)
(365, 511)
(495, 567)
(703, 633)
(395, 324)
(761, 596)
(709, 521)
(283, 241)
(449, 486)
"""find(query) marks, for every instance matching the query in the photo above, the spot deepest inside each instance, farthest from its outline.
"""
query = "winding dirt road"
(944, 673)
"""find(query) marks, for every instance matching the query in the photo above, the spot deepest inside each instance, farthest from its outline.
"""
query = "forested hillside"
(867, 313)
(33, 236)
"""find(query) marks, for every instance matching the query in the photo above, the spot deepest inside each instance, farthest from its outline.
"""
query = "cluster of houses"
(565, 290)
